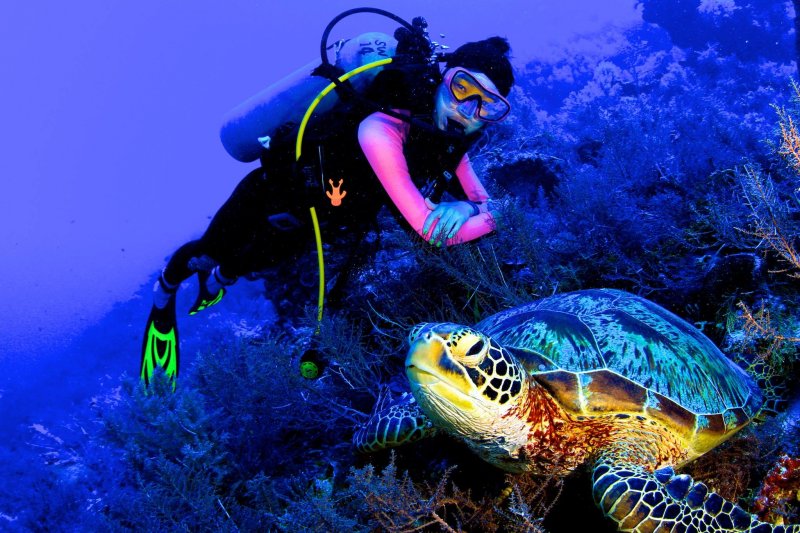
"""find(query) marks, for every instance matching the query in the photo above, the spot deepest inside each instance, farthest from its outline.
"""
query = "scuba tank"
(246, 129)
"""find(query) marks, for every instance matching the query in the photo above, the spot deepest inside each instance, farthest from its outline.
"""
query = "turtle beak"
(424, 357)
(429, 367)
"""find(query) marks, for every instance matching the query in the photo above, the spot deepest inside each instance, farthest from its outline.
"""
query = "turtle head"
(467, 384)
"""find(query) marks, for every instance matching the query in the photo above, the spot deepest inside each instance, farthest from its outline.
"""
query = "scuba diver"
(405, 150)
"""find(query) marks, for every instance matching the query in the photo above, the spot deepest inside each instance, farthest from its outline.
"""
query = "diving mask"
(464, 87)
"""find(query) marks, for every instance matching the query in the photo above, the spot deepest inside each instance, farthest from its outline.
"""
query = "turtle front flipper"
(640, 500)
(393, 424)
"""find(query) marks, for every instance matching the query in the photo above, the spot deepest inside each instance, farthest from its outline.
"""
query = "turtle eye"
(476, 348)
(468, 348)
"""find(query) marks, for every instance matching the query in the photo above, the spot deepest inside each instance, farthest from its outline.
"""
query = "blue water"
(625, 154)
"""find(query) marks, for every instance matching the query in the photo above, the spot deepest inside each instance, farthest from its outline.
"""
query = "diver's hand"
(446, 219)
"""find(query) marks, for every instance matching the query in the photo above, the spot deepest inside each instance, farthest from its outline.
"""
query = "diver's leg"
(255, 228)
(229, 232)
(211, 289)
(163, 291)
(160, 346)
(178, 267)
(235, 226)
(217, 259)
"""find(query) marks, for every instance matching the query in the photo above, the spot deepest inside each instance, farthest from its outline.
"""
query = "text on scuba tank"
(379, 48)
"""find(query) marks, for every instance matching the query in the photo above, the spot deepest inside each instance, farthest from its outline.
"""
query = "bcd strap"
(344, 89)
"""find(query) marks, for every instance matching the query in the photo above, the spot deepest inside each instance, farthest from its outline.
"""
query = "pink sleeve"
(381, 138)
(470, 182)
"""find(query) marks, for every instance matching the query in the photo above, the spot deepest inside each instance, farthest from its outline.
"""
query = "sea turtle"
(597, 376)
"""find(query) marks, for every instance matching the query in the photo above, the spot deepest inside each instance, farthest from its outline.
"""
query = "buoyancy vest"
(337, 178)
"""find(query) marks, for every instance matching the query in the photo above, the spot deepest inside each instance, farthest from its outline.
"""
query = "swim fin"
(204, 297)
(160, 346)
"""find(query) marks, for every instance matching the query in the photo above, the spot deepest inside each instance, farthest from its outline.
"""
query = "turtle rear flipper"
(640, 500)
(392, 424)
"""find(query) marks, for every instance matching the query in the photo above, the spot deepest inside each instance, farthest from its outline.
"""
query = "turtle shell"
(607, 352)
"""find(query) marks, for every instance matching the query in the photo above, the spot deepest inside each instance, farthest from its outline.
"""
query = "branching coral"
(790, 141)
(772, 206)
(769, 217)
(739, 457)
(530, 500)
(771, 209)
(396, 503)
(789, 147)
(758, 325)
(413, 509)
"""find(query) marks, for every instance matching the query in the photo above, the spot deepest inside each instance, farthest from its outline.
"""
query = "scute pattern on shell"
(596, 332)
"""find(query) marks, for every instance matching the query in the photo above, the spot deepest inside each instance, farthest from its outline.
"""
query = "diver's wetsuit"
(266, 219)
(251, 231)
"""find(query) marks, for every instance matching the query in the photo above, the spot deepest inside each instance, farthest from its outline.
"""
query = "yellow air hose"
(298, 153)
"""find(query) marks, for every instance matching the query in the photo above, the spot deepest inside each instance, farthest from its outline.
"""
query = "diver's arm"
(471, 184)
(381, 138)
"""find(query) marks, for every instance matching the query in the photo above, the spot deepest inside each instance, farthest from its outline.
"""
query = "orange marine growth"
(780, 495)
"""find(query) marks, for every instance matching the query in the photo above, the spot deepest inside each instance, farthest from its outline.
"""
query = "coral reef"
(778, 501)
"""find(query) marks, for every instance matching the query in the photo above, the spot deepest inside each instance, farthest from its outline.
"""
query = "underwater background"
(652, 147)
